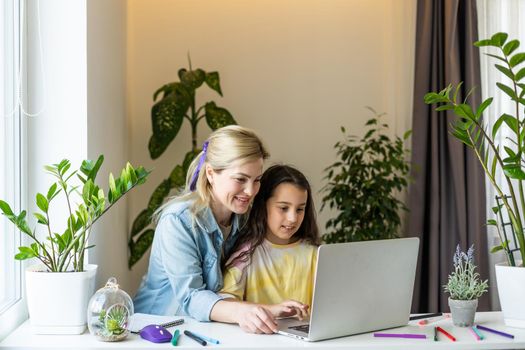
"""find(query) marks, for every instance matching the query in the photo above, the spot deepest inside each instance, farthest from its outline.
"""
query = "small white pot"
(57, 301)
(511, 291)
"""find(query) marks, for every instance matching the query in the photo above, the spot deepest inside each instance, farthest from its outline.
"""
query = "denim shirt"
(185, 264)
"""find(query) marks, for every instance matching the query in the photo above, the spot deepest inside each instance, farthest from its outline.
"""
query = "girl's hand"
(254, 318)
(289, 308)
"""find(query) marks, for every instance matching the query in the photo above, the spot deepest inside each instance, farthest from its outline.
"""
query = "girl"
(196, 229)
(275, 256)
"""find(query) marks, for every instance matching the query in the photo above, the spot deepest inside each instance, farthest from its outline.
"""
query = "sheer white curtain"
(498, 16)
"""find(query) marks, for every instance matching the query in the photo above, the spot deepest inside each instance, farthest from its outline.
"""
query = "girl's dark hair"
(254, 232)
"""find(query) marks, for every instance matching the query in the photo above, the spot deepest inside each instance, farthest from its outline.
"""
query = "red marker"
(447, 334)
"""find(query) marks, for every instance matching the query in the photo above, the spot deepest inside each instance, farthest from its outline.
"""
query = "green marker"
(435, 334)
(175, 338)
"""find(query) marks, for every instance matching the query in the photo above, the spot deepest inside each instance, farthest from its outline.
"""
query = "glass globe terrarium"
(109, 311)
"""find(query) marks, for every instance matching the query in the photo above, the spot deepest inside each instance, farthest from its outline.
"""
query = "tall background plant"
(363, 185)
(177, 103)
(470, 128)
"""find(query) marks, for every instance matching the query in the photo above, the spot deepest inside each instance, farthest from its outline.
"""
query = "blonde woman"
(194, 231)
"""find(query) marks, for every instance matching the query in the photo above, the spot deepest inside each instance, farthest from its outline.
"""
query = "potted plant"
(59, 287)
(177, 103)
(464, 288)
(363, 185)
(470, 128)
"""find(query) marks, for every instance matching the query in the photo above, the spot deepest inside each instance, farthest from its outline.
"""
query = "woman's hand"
(289, 308)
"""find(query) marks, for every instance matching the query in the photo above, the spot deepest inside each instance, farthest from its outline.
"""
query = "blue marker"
(208, 339)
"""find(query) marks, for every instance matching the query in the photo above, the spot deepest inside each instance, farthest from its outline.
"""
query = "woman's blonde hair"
(224, 147)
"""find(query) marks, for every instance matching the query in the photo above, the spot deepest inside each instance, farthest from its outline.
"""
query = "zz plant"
(362, 185)
(177, 103)
(482, 137)
(61, 252)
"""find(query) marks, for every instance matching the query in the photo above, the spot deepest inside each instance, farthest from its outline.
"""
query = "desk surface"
(232, 337)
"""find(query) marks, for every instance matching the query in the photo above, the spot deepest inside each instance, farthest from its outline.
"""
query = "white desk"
(232, 337)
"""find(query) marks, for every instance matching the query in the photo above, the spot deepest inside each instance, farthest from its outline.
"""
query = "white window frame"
(14, 311)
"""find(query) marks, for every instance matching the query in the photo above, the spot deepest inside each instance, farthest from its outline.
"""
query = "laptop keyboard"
(301, 328)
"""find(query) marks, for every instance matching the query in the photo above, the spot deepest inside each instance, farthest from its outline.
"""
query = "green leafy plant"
(60, 252)
(470, 128)
(362, 185)
(114, 321)
(464, 282)
(178, 103)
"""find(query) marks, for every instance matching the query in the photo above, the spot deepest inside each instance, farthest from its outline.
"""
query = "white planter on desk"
(511, 291)
(57, 301)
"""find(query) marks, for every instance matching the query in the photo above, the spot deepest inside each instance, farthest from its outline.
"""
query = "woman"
(196, 230)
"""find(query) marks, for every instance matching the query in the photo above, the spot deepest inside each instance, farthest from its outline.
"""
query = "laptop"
(359, 287)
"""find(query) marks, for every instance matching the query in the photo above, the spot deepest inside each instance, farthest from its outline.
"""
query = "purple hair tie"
(193, 183)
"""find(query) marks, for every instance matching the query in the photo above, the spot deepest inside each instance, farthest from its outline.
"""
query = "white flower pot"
(511, 291)
(57, 301)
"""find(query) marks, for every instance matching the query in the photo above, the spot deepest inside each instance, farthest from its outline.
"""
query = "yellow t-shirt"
(274, 274)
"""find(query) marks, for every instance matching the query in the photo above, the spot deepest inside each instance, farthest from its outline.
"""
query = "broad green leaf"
(42, 202)
(193, 79)
(217, 117)
(25, 253)
(41, 219)
(112, 185)
(407, 134)
(140, 247)
(517, 59)
(520, 75)
(177, 177)
(445, 108)
(499, 39)
(465, 111)
(492, 222)
(481, 43)
(482, 107)
(6, 209)
(514, 172)
(496, 248)
(505, 71)
(166, 118)
(141, 222)
(456, 92)
(496, 57)
(51, 192)
(158, 196)
(493, 167)
(510, 47)
(61, 243)
(506, 89)
(213, 81)
(511, 122)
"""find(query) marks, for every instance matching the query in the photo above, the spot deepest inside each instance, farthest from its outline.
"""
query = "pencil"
(447, 334)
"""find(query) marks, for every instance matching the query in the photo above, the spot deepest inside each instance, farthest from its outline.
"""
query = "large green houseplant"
(363, 185)
(59, 287)
(508, 158)
(177, 103)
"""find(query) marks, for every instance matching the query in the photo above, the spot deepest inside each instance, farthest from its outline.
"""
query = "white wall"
(293, 70)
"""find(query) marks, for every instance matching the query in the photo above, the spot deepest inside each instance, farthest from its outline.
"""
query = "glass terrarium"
(109, 311)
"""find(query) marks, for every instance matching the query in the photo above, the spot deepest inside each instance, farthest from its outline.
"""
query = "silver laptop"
(359, 287)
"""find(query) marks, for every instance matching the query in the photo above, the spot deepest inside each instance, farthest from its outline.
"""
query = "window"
(11, 282)
(497, 16)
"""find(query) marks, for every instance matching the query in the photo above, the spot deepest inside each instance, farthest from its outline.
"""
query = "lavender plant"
(464, 282)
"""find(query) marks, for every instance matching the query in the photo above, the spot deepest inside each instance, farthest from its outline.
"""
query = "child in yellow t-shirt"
(275, 255)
